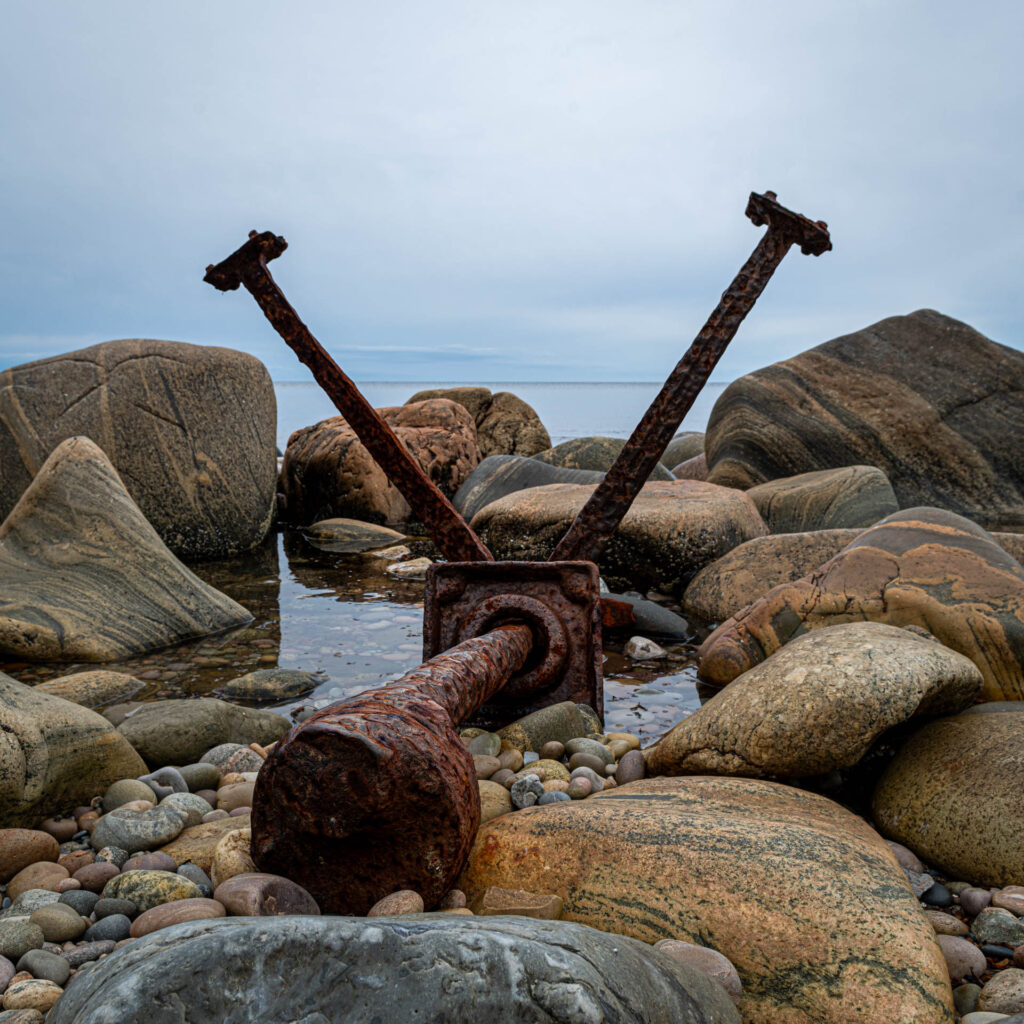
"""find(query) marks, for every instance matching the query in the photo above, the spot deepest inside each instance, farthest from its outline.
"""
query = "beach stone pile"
(573, 759)
(150, 852)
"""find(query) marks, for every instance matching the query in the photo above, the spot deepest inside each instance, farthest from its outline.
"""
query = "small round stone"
(191, 804)
(906, 858)
(20, 847)
(938, 896)
(485, 766)
(86, 952)
(1003, 992)
(81, 901)
(31, 995)
(46, 966)
(963, 958)
(215, 816)
(62, 829)
(556, 786)
(584, 760)
(178, 912)
(200, 775)
(596, 782)
(974, 900)
(124, 791)
(194, 873)
(511, 758)
(583, 745)
(945, 924)
(264, 895)
(96, 875)
(553, 750)
(488, 743)
(503, 776)
(454, 899)
(150, 862)
(112, 905)
(405, 901)
(18, 937)
(59, 922)
(7, 971)
(67, 885)
(630, 768)
(995, 952)
(553, 798)
(147, 889)
(579, 789)
(112, 855)
(44, 875)
(115, 927)
(965, 997)
(526, 791)
(229, 798)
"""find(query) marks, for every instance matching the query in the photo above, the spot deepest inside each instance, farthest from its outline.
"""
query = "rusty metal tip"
(253, 233)
(770, 194)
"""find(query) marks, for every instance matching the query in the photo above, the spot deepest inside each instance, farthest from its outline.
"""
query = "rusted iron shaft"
(248, 266)
(377, 793)
(597, 520)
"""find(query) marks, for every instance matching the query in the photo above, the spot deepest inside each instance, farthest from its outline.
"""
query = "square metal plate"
(560, 601)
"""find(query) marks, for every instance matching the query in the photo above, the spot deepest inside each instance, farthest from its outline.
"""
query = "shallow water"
(343, 618)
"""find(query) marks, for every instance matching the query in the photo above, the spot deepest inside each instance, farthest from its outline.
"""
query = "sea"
(567, 409)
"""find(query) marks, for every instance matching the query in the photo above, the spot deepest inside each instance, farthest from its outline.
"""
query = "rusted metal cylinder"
(377, 793)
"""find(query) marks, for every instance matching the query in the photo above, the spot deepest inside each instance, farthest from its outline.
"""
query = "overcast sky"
(477, 191)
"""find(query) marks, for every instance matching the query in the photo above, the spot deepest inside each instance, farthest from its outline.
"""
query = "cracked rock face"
(928, 400)
(189, 428)
(434, 967)
(803, 897)
(922, 567)
(83, 575)
(817, 704)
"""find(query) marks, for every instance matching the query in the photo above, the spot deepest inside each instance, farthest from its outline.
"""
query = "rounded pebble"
(200, 775)
(938, 896)
(59, 922)
(553, 750)
(115, 927)
(46, 966)
(963, 958)
(18, 937)
(630, 768)
(62, 829)
(974, 900)
(112, 905)
(31, 995)
(150, 862)
(707, 961)
(526, 791)
(405, 901)
(81, 901)
(553, 798)
(96, 875)
(124, 791)
(44, 875)
(178, 912)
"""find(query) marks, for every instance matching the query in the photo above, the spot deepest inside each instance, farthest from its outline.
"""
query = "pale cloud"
(505, 190)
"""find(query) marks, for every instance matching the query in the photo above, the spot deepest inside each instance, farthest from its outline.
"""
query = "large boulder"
(828, 499)
(802, 896)
(954, 794)
(671, 531)
(190, 429)
(817, 704)
(83, 575)
(594, 453)
(742, 575)
(505, 424)
(328, 473)
(922, 567)
(928, 400)
(181, 731)
(386, 970)
(54, 755)
(499, 475)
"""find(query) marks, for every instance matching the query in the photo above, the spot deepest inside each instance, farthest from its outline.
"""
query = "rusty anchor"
(377, 793)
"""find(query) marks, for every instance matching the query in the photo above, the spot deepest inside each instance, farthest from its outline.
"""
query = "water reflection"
(345, 619)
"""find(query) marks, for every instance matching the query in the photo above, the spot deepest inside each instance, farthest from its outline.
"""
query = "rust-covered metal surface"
(611, 500)
(558, 601)
(377, 793)
(248, 266)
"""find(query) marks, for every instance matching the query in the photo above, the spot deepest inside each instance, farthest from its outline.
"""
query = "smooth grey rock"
(138, 830)
(80, 900)
(998, 926)
(18, 936)
(124, 791)
(194, 873)
(526, 791)
(181, 731)
(46, 966)
(86, 952)
(191, 805)
(357, 970)
(499, 475)
(200, 775)
(266, 684)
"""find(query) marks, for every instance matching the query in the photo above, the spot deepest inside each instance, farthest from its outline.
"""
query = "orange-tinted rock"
(327, 472)
(405, 901)
(76, 859)
(96, 875)
(261, 895)
(543, 905)
(20, 847)
(197, 844)
(44, 875)
(803, 897)
(921, 567)
(176, 912)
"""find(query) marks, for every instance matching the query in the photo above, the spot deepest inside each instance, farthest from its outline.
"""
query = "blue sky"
(505, 191)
